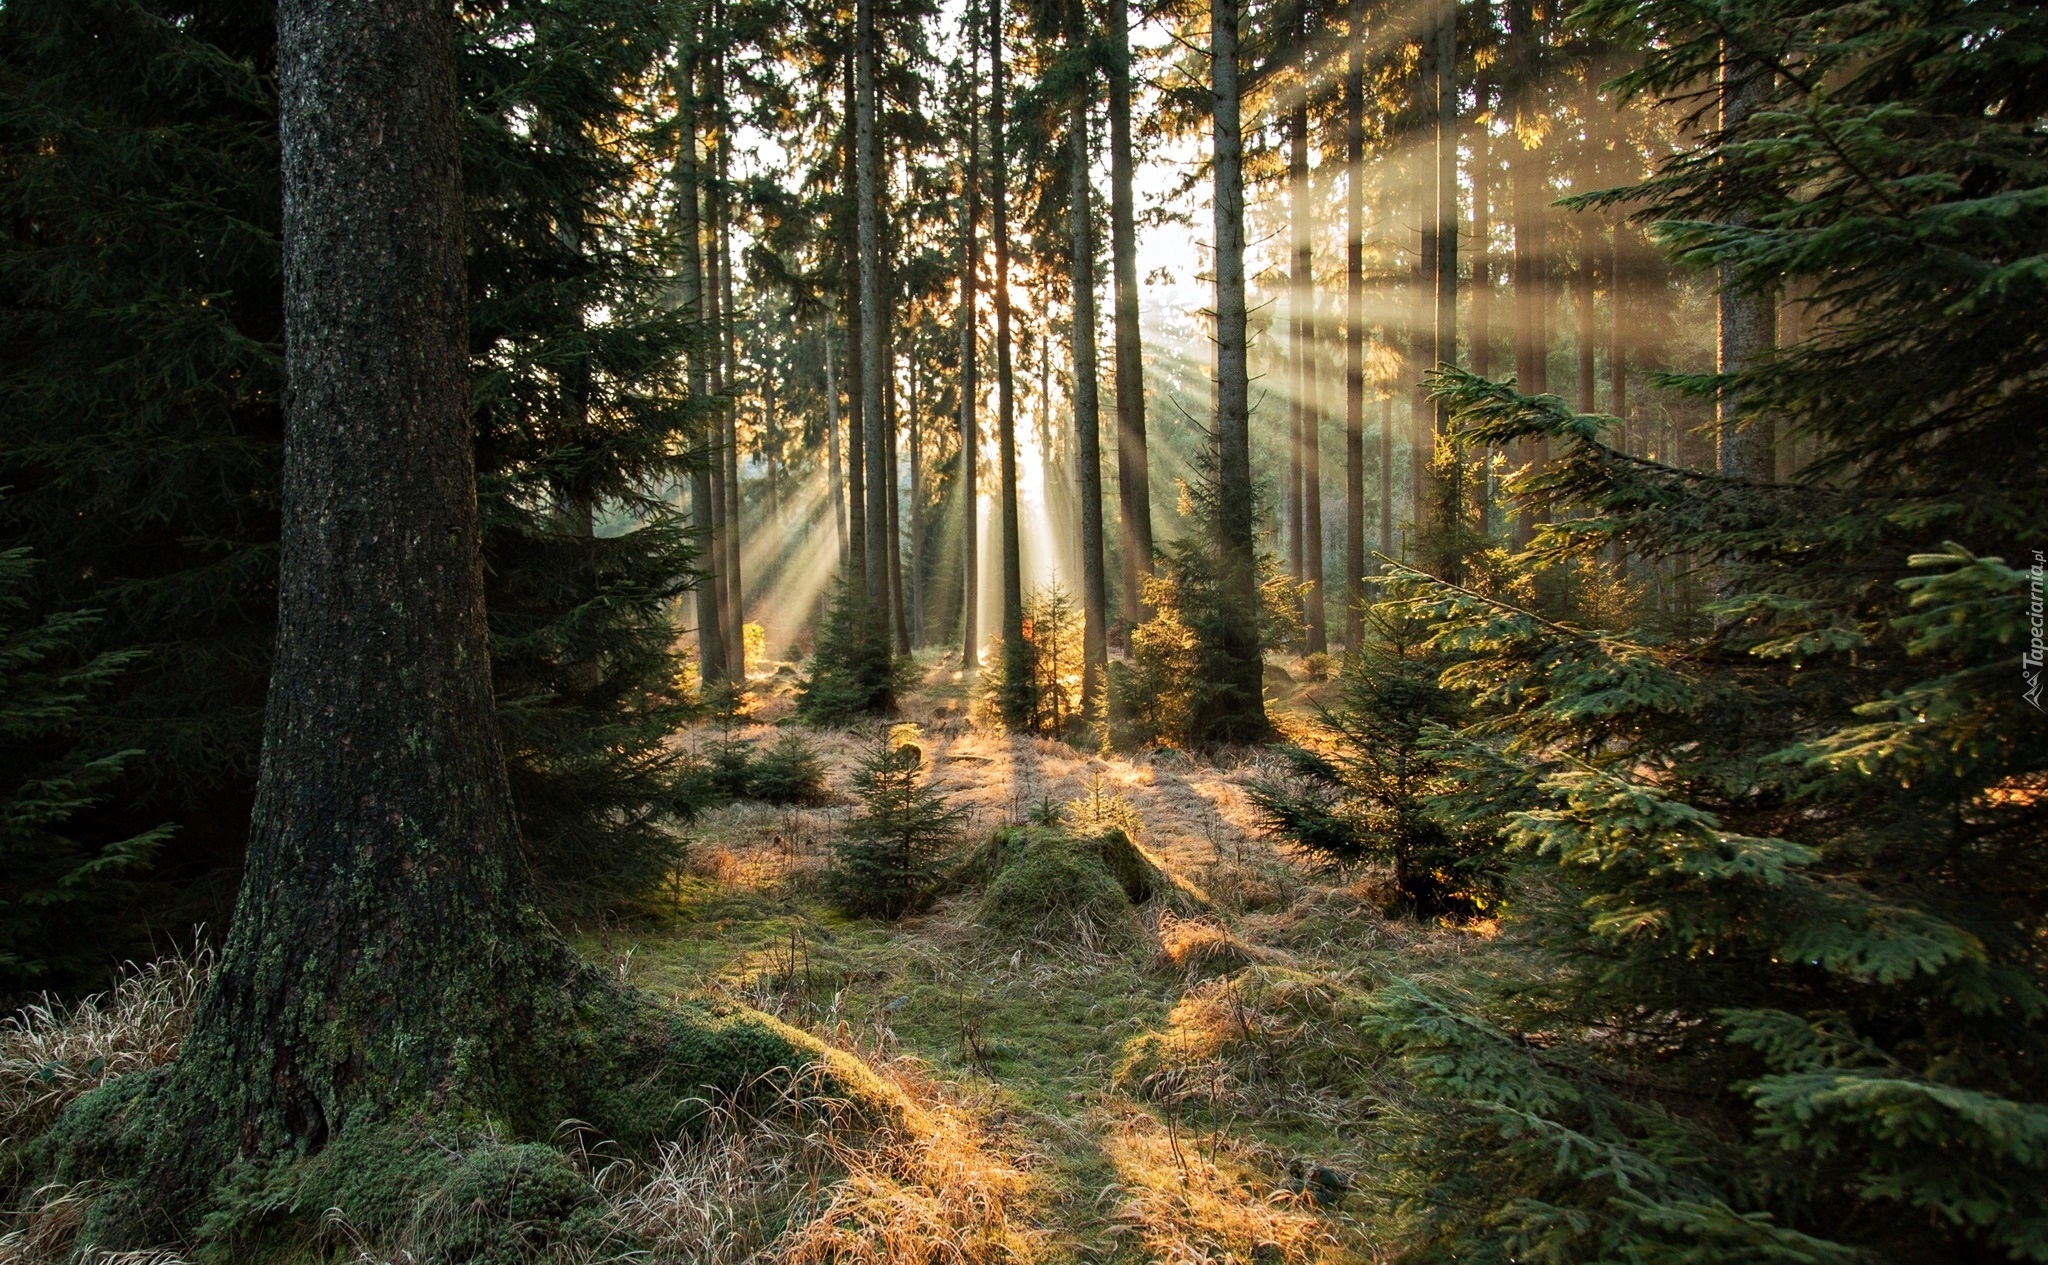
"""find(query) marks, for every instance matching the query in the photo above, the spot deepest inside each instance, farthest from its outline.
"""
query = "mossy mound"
(1046, 884)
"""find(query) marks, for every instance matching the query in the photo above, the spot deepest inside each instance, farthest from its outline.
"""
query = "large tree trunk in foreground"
(1087, 412)
(386, 967)
(1133, 472)
(1234, 708)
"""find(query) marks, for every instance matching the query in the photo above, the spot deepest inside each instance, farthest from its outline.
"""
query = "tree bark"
(1087, 420)
(1299, 287)
(1583, 334)
(735, 593)
(1235, 707)
(383, 950)
(838, 488)
(970, 378)
(1015, 703)
(916, 581)
(891, 435)
(1354, 331)
(711, 657)
(857, 416)
(1526, 170)
(874, 352)
(1133, 472)
(1449, 469)
(1748, 325)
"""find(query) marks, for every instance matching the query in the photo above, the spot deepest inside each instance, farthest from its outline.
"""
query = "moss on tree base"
(170, 1168)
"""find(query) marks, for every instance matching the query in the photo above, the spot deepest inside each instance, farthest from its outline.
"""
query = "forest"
(1018, 632)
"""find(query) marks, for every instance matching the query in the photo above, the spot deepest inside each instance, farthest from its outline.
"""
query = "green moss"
(1045, 884)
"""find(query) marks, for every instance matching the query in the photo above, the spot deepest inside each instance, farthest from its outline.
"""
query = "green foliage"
(53, 913)
(788, 772)
(1363, 791)
(889, 860)
(1181, 686)
(1035, 687)
(141, 411)
(1768, 986)
(854, 673)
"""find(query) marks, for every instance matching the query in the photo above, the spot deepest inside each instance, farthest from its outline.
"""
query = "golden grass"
(1200, 948)
(51, 1052)
(1187, 1199)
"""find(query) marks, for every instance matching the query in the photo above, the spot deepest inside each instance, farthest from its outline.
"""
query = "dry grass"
(805, 1183)
(1210, 1200)
(1202, 948)
(50, 1052)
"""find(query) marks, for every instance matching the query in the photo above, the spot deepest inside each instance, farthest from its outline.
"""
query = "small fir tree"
(1363, 782)
(889, 858)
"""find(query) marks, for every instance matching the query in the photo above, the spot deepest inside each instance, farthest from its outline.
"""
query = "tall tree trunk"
(383, 953)
(1387, 475)
(735, 611)
(916, 512)
(1299, 287)
(1422, 332)
(714, 321)
(1235, 706)
(1450, 496)
(970, 376)
(1016, 700)
(711, 659)
(1481, 337)
(1312, 490)
(1087, 420)
(1526, 169)
(1617, 324)
(1354, 330)
(874, 352)
(834, 475)
(1582, 314)
(891, 434)
(858, 418)
(1748, 326)
(1133, 473)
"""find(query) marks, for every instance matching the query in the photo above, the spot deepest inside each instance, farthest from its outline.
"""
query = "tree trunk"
(1087, 420)
(1449, 469)
(1582, 314)
(735, 593)
(1308, 443)
(874, 352)
(1015, 702)
(711, 658)
(1234, 707)
(1387, 475)
(1299, 287)
(891, 435)
(1525, 178)
(1354, 331)
(857, 415)
(1748, 326)
(916, 513)
(838, 488)
(970, 379)
(1617, 318)
(1133, 472)
(383, 951)
(714, 321)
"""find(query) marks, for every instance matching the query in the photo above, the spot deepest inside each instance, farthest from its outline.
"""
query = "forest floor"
(1179, 1098)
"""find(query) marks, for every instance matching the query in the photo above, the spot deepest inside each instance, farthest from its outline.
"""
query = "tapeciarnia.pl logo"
(2030, 659)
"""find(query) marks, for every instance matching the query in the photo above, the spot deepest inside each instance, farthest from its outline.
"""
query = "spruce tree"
(1775, 993)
